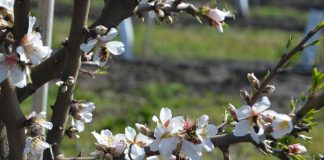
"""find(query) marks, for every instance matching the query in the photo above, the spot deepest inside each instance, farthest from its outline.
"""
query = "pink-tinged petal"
(110, 35)
(203, 120)
(259, 107)
(243, 112)
(257, 136)
(242, 128)
(269, 115)
(165, 115)
(167, 146)
(18, 77)
(137, 153)
(116, 47)
(176, 124)
(191, 150)
(130, 134)
(87, 47)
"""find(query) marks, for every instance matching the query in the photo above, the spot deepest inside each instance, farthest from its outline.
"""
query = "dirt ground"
(218, 76)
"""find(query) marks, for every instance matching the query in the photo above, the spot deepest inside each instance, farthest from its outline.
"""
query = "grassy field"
(118, 110)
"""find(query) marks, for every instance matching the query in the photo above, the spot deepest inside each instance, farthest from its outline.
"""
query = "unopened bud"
(144, 129)
(70, 81)
(244, 94)
(72, 133)
(101, 29)
(64, 88)
(269, 89)
(233, 111)
(296, 148)
(253, 80)
(169, 20)
(160, 13)
(59, 83)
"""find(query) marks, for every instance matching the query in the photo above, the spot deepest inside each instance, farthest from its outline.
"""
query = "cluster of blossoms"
(100, 47)
(173, 137)
(35, 143)
(30, 51)
(163, 12)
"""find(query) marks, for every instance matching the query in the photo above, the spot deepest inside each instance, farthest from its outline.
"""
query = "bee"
(104, 54)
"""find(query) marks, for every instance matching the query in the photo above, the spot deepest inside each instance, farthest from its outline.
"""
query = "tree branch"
(71, 68)
(13, 119)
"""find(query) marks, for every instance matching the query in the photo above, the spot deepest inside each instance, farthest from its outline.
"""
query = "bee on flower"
(102, 46)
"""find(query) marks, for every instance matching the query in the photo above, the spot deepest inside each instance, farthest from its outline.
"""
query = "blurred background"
(193, 69)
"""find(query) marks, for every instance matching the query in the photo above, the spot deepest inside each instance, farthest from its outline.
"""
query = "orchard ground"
(193, 70)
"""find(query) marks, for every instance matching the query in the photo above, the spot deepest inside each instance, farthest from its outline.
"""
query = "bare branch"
(71, 68)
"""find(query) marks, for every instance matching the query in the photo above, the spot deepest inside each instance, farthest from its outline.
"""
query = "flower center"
(109, 139)
(283, 125)
(11, 60)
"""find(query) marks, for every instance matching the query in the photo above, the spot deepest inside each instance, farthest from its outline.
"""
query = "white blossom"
(32, 45)
(39, 120)
(281, 125)
(218, 17)
(82, 114)
(7, 4)
(10, 64)
(137, 144)
(296, 148)
(166, 141)
(103, 46)
(249, 117)
(115, 143)
(35, 146)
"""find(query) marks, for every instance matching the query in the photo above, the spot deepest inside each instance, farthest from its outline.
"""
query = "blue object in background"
(126, 33)
(308, 57)
(243, 8)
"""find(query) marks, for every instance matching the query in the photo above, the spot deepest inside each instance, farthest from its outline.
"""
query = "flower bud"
(169, 20)
(296, 148)
(72, 133)
(233, 111)
(64, 88)
(160, 13)
(253, 80)
(70, 81)
(101, 29)
(144, 129)
(59, 83)
(244, 94)
(269, 89)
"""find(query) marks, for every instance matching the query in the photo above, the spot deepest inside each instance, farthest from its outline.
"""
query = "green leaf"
(213, 3)
(314, 43)
(267, 75)
(293, 104)
(289, 43)
(319, 25)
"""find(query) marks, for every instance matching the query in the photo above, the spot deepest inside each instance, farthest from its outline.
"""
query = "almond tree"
(25, 65)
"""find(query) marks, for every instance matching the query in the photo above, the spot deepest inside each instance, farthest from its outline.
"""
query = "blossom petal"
(99, 138)
(203, 120)
(212, 130)
(243, 112)
(259, 107)
(32, 21)
(79, 125)
(87, 47)
(154, 146)
(257, 136)
(137, 153)
(3, 70)
(165, 115)
(167, 146)
(242, 128)
(110, 35)
(96, 58)
(47, 125)
(116, 47)
(208, 145)
(191, 150)
(18, 77)
(144, 139)
(130, 134)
